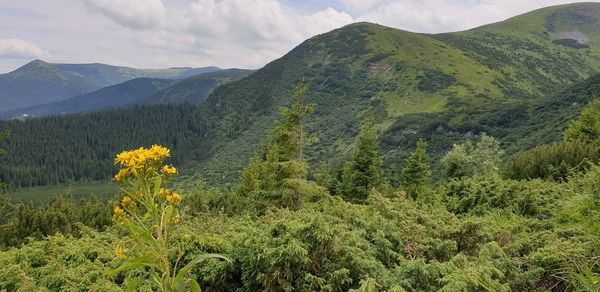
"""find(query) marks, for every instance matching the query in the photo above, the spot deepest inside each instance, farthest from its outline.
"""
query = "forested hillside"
(196, 88)
(61, 149)
(443, 87)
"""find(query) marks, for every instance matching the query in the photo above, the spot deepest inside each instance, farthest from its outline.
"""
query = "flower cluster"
(119, 213)
(143, 162)
(171, 197)
(169, 170)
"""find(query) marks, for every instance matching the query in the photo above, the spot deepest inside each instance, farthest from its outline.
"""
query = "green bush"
(555, 161)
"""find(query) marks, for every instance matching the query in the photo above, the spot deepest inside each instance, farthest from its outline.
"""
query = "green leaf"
(157, 184)
(195, 286)
(139, 233)
(187, 268)
(135, 263)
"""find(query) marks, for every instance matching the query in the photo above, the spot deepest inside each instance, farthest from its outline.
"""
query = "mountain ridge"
(133, 92)
(40, 82)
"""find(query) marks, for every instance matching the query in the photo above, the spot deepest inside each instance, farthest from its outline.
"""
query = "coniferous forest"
(366, 159)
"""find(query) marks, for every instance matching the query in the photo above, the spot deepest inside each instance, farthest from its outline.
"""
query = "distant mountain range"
(50, 89)
(137, 91)
(39, 82)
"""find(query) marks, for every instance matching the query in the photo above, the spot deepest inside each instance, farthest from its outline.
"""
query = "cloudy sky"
(225, 33)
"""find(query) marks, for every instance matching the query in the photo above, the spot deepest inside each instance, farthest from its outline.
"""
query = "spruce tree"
(279, 176)
(364, 172)
(416, 175)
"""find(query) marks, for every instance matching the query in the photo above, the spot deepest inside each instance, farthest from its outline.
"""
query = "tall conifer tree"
(416, 175)
(279, 177)
(364, 172)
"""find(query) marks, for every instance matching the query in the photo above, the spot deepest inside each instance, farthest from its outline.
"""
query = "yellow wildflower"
(174, 198)
(139, 195)
(126, 201)
(123, 158)
(169, 170)
(163, 193)
(159, 153)
(120, 252)
(122, 174)
(119, 213)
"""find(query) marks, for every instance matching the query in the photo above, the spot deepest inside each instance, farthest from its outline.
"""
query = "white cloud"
(229, 33)
(137, 14)
(433, 16)
(360, 6)
(20, 49)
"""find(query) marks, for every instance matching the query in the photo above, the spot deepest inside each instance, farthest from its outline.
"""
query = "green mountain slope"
(445, 87)
(498, 79)
(123, 94)
(196, 88)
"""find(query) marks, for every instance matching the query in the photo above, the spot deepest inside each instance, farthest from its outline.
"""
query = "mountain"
(195, 89)
(442, 87)
(137, 91)
(498, 79)
(39, 82)
(119, 95)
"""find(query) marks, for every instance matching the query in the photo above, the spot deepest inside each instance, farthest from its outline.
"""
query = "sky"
(223, 33)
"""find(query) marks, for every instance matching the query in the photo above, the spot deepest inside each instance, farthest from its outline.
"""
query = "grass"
(103, 190)
(416, 102)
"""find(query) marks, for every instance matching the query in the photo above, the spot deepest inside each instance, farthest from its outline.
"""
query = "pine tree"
(416, 175)
(279, 177)
(364, 172)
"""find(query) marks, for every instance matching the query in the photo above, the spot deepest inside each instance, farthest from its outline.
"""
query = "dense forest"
(347, 229)
(62, 149)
